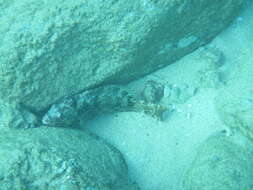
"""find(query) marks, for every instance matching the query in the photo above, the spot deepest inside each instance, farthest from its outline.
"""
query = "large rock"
(220, 164)
(51, 49)
(59, 159)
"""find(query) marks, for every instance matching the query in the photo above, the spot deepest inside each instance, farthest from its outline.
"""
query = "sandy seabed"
(158, 153)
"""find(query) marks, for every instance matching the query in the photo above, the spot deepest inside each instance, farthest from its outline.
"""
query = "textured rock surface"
(59, 159)
(220, 164)
(51, 49)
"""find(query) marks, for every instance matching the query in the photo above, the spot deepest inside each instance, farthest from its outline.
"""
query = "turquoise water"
(90, 99)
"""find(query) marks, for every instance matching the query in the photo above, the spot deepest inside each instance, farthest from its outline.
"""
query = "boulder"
(222, 164)
(53, 49)
(59, 159)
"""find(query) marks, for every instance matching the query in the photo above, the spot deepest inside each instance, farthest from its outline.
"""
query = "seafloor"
(158, 152)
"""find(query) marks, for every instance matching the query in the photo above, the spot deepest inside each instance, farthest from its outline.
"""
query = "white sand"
(157, 152)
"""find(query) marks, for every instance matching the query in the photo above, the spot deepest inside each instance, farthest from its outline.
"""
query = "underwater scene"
(126, 95)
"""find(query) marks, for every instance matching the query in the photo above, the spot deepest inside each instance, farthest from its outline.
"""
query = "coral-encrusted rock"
(52, 49)
(220, 164)
(59, 159)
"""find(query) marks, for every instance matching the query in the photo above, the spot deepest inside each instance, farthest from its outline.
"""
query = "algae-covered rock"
(53, 49)
(220, 164)
(59, 159)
